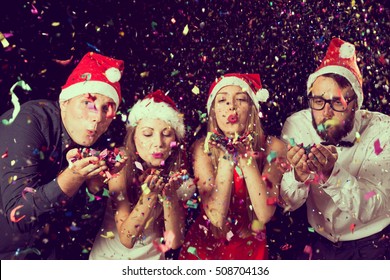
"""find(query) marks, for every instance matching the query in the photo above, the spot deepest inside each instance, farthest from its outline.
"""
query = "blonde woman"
(237, 170)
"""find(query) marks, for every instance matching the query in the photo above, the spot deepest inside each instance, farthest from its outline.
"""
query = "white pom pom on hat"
(250, 83)
(113, 74)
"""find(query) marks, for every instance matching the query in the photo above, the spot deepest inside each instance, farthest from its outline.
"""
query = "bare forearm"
(257, 190)
(218, 202)
(174, 219)
(131, 226)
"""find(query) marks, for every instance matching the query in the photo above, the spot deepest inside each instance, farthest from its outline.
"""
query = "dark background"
(284, 41)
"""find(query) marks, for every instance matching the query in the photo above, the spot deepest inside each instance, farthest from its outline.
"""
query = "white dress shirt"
(355, 200)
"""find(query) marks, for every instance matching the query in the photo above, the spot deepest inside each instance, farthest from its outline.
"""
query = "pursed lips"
(157, 155)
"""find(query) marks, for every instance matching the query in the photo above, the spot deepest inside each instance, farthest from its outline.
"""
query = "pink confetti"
(308, 250)
(352, 227)
(27, 190)
(377, 147)
(5, 154)
(168, 237)
(368, 195)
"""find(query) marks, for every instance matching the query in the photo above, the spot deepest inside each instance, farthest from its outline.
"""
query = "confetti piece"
(321, 127)
(185, 30)
(331, 122)
(27, 251)
(139, 165)
(15, 101)
(292, 142)
(27, 190)
(377, 147)
(357, 137)
(169, 236)
(195, 90)
(272, 200)
(352, 227)
(5, 155)
(229, 235)
(308, 250)
(13, 213)
(4, 41)
(192, 250)
(106, 193)
(192, 204)
(272, 155)
(109, 235)
(145, 189)
(368, 195)
(257, 226)
(206, 142)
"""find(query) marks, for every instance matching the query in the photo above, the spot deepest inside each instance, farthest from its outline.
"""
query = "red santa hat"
(340, 59)
(95, 73)
(157, 105)
(249, 83)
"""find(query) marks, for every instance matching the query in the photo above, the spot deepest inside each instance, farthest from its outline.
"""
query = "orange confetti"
(13, 212)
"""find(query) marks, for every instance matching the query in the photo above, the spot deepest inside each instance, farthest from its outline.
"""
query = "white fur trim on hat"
(231, 81)
(149, 109)
(90, 87)
(342, 71)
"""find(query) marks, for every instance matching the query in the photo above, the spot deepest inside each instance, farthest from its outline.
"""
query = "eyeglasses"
(318, 103)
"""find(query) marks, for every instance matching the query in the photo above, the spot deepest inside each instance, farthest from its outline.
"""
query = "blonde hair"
(175, 162)
(253, 125)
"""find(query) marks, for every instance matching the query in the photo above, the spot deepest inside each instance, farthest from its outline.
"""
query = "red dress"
(240, 243)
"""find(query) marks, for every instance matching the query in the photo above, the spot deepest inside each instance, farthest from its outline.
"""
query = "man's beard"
(334, 134)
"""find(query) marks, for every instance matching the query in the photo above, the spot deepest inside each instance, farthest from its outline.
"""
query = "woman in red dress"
(238, 173)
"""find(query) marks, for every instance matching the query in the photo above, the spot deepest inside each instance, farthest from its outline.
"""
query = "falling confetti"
(377, 147)
(15, 101)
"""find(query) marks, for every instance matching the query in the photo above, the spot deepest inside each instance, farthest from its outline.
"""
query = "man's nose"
(96, 115)
(328, 111)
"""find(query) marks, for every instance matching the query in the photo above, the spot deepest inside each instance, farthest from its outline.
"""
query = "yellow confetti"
(3, 41)
(145, 188)
(55, 23)
(257, 226)
(206, 142)
(109, 235)
(195, 90)
(144, 74)
(185, 30)
(357, 136)
(331, 122)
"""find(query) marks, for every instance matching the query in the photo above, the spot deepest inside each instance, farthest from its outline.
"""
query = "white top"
(112, 249)
(355, 201)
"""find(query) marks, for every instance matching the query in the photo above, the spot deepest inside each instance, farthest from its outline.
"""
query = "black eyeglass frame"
(347, 100)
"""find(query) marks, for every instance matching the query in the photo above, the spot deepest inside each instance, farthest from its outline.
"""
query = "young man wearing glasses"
(340, 159)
